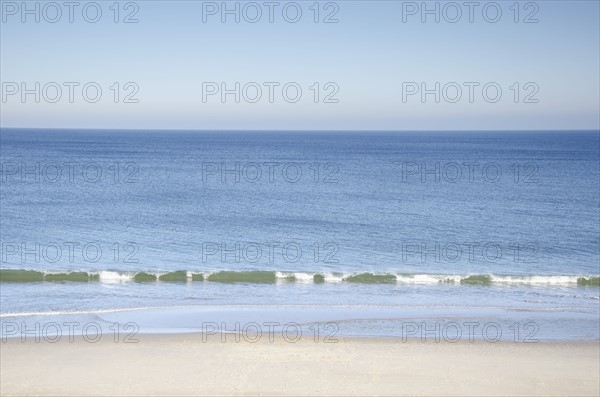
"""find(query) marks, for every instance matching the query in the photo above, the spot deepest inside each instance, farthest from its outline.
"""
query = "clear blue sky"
(369, 53)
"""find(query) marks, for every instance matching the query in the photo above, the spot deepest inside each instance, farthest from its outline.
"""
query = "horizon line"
(290, 130)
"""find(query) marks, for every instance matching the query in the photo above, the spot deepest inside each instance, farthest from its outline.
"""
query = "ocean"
(370, 233)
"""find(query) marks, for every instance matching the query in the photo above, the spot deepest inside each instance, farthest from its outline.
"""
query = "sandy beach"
(186, 365)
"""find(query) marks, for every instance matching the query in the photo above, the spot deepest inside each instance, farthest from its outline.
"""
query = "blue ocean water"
(171, 229)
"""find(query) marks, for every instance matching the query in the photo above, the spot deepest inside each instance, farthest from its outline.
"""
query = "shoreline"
(30, 338)
(183, 364)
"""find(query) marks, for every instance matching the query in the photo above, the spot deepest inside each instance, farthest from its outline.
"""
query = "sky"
(304, 65)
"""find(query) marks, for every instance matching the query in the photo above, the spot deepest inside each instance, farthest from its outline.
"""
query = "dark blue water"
(493, 223)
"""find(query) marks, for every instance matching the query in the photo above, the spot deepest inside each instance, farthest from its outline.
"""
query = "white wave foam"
(333, 278)
(304, 277)
(301, 277)
(426, 278)
(114, 277)
(535, 279)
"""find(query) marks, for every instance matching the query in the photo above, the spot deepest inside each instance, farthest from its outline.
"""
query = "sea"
(431, 236)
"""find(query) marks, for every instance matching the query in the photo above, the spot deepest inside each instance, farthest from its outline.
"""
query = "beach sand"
(186, 365)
